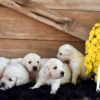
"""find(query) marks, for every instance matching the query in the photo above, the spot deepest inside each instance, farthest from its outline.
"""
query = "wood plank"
(21, 27)
(50, 18)
(92, 5)
(17, 48)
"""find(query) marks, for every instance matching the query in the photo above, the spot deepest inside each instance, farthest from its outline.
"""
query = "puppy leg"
(98, 81)
(75, 75)
(55, 86)
(37, 85)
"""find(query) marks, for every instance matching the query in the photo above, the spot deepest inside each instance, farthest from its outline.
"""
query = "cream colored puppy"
(32, 63)
(14, 75)
(53, 73)
(3, 64)
(76, 61)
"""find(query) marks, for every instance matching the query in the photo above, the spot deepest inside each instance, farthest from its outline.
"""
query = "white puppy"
(3, 64)
(76, 60)
(32, 62)
(53, 73)
(16, 61)
(14, 75)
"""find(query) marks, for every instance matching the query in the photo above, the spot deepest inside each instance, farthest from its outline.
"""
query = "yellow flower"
(92, 51)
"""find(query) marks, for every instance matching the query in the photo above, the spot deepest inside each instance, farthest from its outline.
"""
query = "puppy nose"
(34, 68)
(2, 84)
(62, 73)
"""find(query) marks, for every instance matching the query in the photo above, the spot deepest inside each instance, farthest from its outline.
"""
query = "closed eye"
(60, 54)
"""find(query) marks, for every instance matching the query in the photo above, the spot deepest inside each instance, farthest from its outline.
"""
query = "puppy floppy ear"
(46, 71)
(24, 62)
(68, 51)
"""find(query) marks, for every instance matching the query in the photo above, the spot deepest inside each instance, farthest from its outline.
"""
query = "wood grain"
(18, 48)
(90, 5)
(21, 27)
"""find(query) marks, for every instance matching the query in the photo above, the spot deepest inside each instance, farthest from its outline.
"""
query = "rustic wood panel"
(21, 27)
(17, 48)
(72, 4)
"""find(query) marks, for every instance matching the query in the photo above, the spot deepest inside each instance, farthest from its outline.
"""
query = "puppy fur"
(14, 75)
(76, 61)
(3, 64)
(16, 61)
(53, 73)
(32, 63)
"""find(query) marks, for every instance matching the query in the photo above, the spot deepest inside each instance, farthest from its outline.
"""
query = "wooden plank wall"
(20, 34)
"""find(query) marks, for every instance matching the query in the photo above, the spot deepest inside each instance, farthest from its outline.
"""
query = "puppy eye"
(38, 62)
(10, 79)
(60, 53)
(29, 62)
(55, 67)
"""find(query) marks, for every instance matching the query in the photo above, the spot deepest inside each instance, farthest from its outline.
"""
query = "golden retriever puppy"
(32, 63)
(14, 75)
(53, 73)
(76, 61)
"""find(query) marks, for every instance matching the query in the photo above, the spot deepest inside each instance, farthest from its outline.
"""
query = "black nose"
(62, 73)
(2, 84)
(34, 68)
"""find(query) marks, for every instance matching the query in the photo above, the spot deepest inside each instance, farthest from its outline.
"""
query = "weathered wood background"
(20, 34)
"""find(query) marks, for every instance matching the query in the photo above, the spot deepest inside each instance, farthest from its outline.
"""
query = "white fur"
(35, 63)
(50, 76)
(3, 64)
(43, 61)
(76, 61)
(14, 74)
(16, 61)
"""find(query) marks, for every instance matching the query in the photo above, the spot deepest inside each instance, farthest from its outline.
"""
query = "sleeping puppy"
(16, 61)
(32, 63)
(76, 61)
(3, 64)
(14, 75)
(53, 73)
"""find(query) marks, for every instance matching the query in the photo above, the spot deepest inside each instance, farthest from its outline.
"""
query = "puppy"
(3, 64)
(53, 73)
(32, 63)
(14, 75)
(16, 61)
(43, 61)
(76, 61)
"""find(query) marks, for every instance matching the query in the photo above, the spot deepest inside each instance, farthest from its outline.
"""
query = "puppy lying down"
(53, 73)
(3, 64)
(14, 75)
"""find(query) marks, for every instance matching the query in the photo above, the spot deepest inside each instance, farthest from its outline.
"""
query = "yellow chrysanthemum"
(92, 51)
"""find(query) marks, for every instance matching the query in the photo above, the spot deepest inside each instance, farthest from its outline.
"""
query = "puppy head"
(32, 62)
(54, 68)
(65, 52)
(7, 82)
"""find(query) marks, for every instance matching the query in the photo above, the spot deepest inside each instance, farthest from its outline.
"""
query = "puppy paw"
(52, 92)
(97, 90)
(74, 82)
(34, 87)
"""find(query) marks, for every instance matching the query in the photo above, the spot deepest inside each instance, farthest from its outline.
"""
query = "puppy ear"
(46, 71)
(68, 51)
(23, 62)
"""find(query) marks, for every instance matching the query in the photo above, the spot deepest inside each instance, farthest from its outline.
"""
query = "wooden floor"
(20, 34)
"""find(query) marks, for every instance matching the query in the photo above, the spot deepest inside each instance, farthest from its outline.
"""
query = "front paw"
(52, 92)
(34, 87)
(97, 90)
